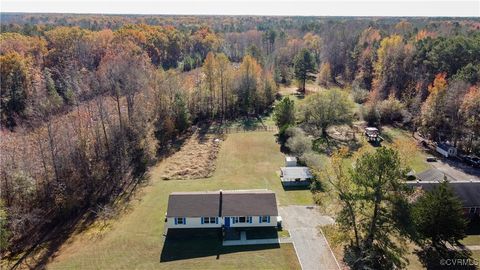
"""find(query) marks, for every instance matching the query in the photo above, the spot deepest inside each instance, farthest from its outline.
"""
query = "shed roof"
(467, 191)
(289, 158)
(445, 146)
(296, 172)
(225, 203)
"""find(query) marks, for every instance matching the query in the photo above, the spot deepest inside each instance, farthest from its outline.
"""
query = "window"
(264, 219)
(180, 221)
(242, 219)
(209, 220)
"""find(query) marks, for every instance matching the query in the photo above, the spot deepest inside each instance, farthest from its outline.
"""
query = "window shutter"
(260, 219)
(202, 219)
(176, 222)
(249, 219)
(184, 221)
(268, 219)
(216, 220)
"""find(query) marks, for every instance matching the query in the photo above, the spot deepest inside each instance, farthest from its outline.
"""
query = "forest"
(89, 102)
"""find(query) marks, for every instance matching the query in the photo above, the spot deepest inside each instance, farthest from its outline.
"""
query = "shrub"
(360, 95)
(297, 142)
(371, 114)
(391, 110)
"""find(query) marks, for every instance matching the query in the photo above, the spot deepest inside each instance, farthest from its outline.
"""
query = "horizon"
(304, 8)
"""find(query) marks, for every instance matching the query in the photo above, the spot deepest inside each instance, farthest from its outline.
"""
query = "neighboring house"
(290, 161)
(446, 150)
(295, 176)
(467, 191)
(241, 208)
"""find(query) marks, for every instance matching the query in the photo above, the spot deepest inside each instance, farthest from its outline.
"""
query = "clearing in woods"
(135, 239)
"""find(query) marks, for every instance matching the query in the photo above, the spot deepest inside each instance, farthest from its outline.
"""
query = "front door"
(227, 222)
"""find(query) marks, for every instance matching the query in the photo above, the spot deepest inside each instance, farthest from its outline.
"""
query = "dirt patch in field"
(196, 158)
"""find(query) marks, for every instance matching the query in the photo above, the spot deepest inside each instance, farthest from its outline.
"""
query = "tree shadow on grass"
(183, 244)
(445, 258)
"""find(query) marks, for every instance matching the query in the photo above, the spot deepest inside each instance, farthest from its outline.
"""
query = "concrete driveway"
(457, 170)
(311, 246)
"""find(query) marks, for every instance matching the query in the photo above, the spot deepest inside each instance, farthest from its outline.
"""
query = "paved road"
(311, 246)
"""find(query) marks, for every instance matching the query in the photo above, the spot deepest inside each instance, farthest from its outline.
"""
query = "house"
(290, 161)
(446, 150)
(467, 191)
(295, 176)
(217, 209)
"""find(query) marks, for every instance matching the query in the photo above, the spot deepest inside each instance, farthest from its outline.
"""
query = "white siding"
(441, 151)
(196, 222)
(192, 222)
(255, 223)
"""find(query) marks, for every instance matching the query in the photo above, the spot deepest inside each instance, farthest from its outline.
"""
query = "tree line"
(85, 113)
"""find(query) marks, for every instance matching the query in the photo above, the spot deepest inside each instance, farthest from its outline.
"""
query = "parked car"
(431, 159)
(472, 161)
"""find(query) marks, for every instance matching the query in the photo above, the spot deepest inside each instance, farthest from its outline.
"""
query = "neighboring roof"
(467, 191)
(233, 203)
(434, 175)
(193, 204)
(371, 129)
(295, 172)
(288, 159)
(445, 146)
(247, 203)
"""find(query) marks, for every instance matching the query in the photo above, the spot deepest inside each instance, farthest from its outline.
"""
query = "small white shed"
(446, 150)
(295, 176)
(290, 161)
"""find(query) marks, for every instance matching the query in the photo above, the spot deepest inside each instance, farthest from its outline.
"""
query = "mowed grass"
(135, 240)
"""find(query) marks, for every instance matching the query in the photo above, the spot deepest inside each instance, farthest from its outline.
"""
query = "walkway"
(243, 241)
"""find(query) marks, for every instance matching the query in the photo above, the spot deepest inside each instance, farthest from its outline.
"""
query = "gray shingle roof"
(193, 204)
(249, 204)
(295, 172)
(434, 175)
(234, 203)
(467, 192)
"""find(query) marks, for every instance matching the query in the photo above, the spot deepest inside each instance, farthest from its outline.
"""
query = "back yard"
(135, 240)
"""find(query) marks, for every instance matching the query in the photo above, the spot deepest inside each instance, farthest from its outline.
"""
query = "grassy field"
(135, 240)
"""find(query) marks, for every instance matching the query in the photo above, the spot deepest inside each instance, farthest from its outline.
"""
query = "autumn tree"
(124, 71)
(390, 75)
(325, 74)
(247, 89)
(470, 109)
(15, 84)
(433, 110)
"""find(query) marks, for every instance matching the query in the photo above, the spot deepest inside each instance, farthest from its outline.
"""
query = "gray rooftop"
(467, 191)
(296, 172)
(434, 175)
(232, 203)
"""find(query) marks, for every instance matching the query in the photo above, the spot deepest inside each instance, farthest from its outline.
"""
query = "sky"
(443, 8)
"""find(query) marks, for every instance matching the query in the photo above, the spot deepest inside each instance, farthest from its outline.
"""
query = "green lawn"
(135, 240)
(472, 240)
